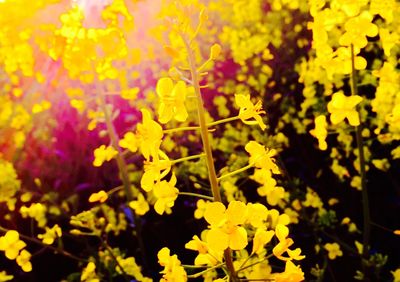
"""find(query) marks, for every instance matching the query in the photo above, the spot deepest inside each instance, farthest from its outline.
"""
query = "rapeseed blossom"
(249, 111)
(102, 154)
(344, 107)
(172, 100)
(261, 157)
(51, 234)
(320, 131)
(149, 134)
(225, 225)
(166, 194)
(11, 244)
(333, 250)
(173, 270)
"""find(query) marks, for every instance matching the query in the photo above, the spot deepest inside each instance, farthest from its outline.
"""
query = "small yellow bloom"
(341, 107)
(166, 194)
(333, 250)
(357, 29)
(261, 238)
(130, 142)
(215, 51)
(320, 132)
(292, 273)
(130, 94)
(140, 206)
(396, 275)
(100, 196)
(11, 244)
(173, 270)
(206, 256)
(261, 157)
(23, 260)
(149, 134)
(89, 273)
(36, 211)
(250, 111)
(50, 235)
(5, 277)
(103, 154)
(172, 104)
(155, 170)
(201, 208)
(225, 230)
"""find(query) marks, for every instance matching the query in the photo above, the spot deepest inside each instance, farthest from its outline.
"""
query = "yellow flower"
(150, 134)
(173, 270)
(172, 104)
(206, 256)
(140, 206)
(225, 230)
(155, 170)
(100, 196)
(201, 208)
(341, 107)
(351, 7)
(130, 142)
(166, 194)
(103, 154)
(5, 277)
(269, 189)
(250, 111)
(292, 273)
(396, 275)
(11, 244)
(50, 235)
(357, 29)
(257, 215)
(281, 232)
(261, 157)
(383, 8)
(333, 250)
(23, 260)
(215, 50)
(36, 211)
(261, 238)
(130, 94)
(320, 132)
(89, 273)
(9, 183)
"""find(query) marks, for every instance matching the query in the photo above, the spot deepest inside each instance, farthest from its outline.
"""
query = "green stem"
(38, 242)
(187, 158)
(255, 263)
(121, 164)
(197, 195)
(115, 142)
(211, 124)
(186, 128)
(225, 120)
(124, 274)
(207, 146)
(205, 271)
(236, 171)
(116, 189)
(365, 200)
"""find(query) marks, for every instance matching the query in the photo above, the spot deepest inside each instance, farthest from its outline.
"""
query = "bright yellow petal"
(215, 213)
(217, 240)
(238, 239)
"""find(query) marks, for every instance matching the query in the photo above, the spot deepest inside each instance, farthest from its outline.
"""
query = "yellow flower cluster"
(14, 249)
(9, 184)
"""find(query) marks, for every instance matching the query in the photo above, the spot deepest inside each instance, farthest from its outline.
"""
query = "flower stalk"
(207, 147)
(361, 157)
